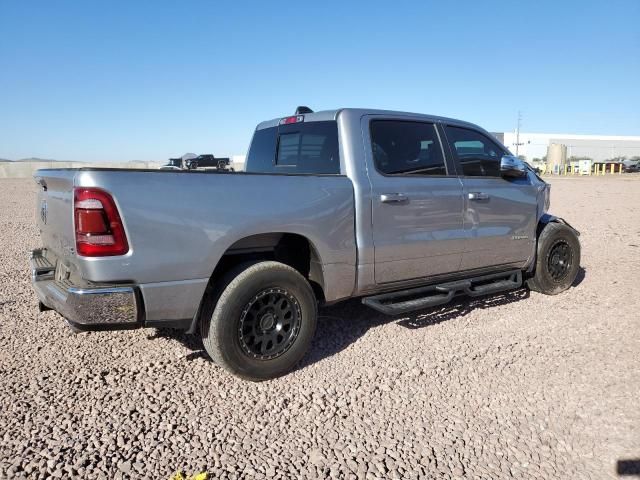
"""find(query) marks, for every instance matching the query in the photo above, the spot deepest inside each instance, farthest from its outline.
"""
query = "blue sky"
(146, 80)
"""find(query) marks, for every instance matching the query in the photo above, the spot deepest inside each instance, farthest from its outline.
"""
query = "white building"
(597, 147)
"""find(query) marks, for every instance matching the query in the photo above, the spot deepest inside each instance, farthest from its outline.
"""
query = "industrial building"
(598, 148)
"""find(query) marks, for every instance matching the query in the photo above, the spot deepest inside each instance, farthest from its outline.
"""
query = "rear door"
(499, 213)
(416, 201)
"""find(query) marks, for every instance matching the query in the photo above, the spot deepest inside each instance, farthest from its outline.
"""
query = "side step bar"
(403, 301)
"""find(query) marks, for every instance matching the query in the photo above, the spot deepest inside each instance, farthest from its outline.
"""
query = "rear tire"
(558, 259)
(260, 323)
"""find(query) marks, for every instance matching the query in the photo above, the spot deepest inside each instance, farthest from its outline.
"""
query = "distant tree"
(522, 157)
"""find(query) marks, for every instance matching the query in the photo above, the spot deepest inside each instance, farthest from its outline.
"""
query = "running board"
(403, 301)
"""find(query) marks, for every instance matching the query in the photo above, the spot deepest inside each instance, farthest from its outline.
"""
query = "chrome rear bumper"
(87, 308)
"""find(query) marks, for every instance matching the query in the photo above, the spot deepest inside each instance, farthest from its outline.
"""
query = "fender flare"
(547, 218)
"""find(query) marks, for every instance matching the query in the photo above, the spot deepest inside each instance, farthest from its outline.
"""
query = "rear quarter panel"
(180, 224)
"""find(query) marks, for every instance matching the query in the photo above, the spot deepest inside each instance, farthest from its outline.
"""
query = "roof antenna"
(302, 109)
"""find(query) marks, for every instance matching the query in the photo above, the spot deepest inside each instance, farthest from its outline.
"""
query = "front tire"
(558, 259)
(261, 322)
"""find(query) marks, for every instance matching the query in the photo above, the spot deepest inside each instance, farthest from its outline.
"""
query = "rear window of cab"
(298, 148)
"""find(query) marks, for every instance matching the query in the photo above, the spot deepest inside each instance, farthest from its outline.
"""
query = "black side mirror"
(512, 167)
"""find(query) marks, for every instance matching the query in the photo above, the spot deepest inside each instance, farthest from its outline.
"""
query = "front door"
(500, 216)
(417, 202)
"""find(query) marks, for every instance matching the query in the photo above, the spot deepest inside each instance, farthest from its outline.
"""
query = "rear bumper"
(98, 307)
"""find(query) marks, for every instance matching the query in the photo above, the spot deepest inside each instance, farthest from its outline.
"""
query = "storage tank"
(556, 157)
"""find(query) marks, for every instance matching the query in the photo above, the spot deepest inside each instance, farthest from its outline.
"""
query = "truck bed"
(180, 223)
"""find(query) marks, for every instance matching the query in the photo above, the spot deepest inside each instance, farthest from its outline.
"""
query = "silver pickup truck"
(403, 210)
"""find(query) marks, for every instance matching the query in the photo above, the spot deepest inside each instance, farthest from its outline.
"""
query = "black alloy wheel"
(559, 260)
(269, 324)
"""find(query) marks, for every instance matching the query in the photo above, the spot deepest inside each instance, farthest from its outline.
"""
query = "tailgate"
(54, 212)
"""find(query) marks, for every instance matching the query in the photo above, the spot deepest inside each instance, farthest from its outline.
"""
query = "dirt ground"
(517, 385)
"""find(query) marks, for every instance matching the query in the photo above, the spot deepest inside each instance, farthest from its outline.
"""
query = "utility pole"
(517, 144)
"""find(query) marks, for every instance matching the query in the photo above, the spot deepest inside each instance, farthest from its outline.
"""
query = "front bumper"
(94, 307)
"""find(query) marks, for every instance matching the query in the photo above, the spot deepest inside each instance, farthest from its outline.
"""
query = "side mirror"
(512, 167)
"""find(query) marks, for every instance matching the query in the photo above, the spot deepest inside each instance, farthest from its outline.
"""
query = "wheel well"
(288, 248)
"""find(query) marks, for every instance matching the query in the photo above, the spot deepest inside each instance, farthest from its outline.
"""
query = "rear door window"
(406, 148)
(300, 148)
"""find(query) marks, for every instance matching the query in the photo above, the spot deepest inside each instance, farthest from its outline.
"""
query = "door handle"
(478, 196)
(393, 198)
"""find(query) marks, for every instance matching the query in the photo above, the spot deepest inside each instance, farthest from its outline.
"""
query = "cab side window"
(406, 148)
(478, 155)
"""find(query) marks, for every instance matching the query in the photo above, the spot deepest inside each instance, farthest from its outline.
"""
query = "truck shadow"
(192, 342)
(579, 277)
(343, 324)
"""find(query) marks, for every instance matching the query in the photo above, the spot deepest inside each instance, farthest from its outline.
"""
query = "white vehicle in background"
(584, 167)
(180, 163)
(173, 164)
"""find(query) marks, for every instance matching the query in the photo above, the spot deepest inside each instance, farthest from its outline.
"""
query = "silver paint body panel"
(501, 228)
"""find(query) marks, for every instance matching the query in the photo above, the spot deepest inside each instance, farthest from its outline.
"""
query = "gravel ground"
(519, 385)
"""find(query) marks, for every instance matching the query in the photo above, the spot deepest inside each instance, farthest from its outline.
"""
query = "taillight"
(99, 229)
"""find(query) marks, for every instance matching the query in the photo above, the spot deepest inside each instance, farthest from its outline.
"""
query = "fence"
(593, 169)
